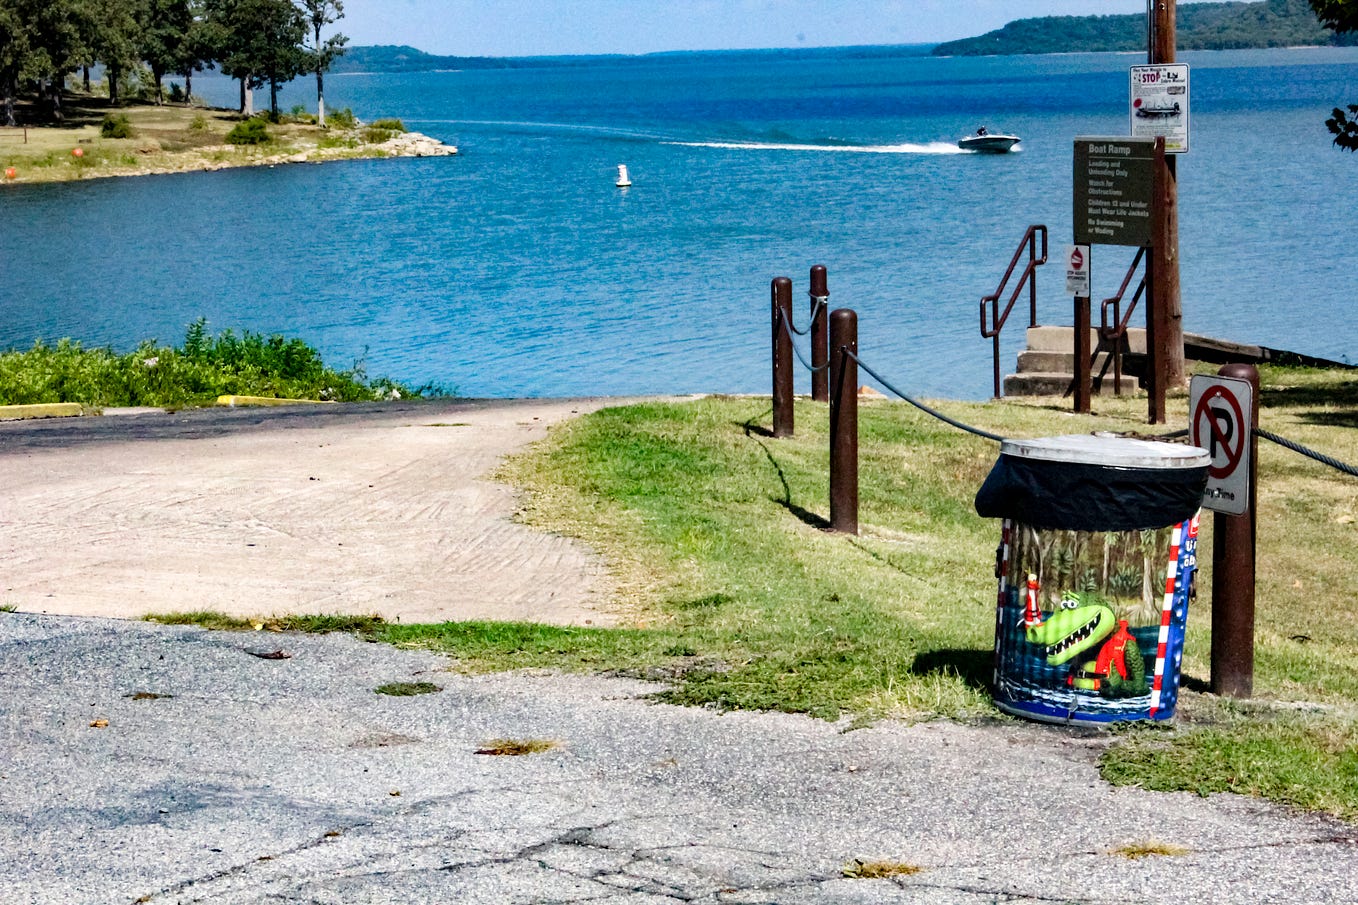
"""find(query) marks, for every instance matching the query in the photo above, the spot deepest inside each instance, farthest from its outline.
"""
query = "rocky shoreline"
(210, 159)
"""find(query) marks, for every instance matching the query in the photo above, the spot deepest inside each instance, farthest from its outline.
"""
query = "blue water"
(517, 268)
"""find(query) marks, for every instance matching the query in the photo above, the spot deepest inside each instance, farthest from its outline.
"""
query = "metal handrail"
(1113, 335)
(1029, 276)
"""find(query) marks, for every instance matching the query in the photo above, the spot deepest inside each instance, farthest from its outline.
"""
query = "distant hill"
(392, 58)
(1199, 26)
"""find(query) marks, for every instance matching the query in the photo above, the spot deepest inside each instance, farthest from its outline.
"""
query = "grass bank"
(715, 533)
(149, 139)
(194, 373)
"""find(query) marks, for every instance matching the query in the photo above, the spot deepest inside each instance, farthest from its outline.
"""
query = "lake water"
(518, 268)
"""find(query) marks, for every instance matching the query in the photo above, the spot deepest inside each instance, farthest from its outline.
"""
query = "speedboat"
(1147, 110)
(988, 142)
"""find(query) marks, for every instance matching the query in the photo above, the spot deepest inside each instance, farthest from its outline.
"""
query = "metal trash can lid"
(1095, 482)
(1108, 449)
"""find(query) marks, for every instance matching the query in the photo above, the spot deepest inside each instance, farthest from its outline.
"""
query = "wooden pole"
(1084, 358)
(843, 422)
(820, 334)
(1158, 266)
(1233, 570)
(780, 292)
(1171, 318)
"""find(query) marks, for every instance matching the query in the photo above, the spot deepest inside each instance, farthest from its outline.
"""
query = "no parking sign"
(1219, 422)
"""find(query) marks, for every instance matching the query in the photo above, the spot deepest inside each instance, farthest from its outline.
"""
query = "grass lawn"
(716, 536)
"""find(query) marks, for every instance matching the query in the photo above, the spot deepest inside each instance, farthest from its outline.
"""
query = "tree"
(1341, 16)
(258, 42)
(14, 54)
(115, 38)
(320, 13)
(165, 39)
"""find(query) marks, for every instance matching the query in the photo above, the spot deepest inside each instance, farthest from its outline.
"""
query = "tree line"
(257, 42)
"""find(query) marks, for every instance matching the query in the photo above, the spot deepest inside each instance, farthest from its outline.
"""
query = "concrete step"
(1062, 339)
(1059, 362)
(1037, 383)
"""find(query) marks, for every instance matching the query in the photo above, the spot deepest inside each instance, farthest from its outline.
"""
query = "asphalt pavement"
(170, 764)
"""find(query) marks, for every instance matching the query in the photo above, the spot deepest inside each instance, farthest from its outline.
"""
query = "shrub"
(390, 125)
(253, 131)
(205, 367)
(116, 125)
(342, 119)
(198, 123)
(177, 95)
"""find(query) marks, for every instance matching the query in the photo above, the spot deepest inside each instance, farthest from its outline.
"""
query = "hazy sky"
(529, 27)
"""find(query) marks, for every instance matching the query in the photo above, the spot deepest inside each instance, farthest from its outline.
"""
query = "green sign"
(1114, 184)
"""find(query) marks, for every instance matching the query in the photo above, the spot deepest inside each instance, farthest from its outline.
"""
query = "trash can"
(1098, 548)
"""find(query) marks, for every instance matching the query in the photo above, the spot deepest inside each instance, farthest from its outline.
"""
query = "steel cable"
(1309, 453)
(921, 406)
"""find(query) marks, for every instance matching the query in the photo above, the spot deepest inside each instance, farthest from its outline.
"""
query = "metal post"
(820, 319)
(781, 293)
(843, 422)
(1084, 381)
(1233, 571)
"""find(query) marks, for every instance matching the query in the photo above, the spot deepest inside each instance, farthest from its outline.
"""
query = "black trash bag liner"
(1078, 496)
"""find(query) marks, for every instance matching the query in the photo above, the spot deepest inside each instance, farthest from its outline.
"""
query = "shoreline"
(166, 139)
(406, 145)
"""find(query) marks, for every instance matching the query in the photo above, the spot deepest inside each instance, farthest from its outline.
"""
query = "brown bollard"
(1233, 570)
(820, 319)
(843, 422)
(1084, 357)
(781, 292)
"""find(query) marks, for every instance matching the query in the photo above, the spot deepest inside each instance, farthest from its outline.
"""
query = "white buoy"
(623, 180)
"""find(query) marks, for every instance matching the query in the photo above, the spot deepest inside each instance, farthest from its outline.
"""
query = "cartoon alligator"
(1117, 671)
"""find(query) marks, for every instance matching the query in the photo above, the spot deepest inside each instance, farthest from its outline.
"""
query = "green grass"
(1306, 760)
(737, 596)
(197, 372)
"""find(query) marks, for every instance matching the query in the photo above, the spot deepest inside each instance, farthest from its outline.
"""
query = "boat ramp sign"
(1112, 198)
(1077, 270)
(1159, 104)
(1219, 422)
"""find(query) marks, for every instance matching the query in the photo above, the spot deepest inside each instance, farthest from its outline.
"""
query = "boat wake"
(933, 147)
(615, 132)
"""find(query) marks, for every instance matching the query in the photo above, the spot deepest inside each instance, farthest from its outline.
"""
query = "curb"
(266, 400)
(41, 410)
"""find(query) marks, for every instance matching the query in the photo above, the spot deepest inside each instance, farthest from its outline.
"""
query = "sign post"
(1223, 411)
(1116, 183)
(1077, 284)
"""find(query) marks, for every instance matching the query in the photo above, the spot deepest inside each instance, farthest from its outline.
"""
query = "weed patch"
(879, 870)
(407, 689)
(517, 747)
(1135, 851)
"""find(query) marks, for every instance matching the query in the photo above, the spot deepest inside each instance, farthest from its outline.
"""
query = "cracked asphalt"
(166, 764)
(142, 763)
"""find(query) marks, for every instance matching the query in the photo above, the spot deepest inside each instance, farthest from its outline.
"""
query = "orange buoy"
(78, 152)
(10, 172)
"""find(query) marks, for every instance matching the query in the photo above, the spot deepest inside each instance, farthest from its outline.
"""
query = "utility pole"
(1166, 308)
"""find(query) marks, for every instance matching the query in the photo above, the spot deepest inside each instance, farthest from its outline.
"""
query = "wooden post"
(1173, 373)
(1084, 380)
(820, 340)
(1158, 267)
(781, 294)
(1233, 570)
(843, 422)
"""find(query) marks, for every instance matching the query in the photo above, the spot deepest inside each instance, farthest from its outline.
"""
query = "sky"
(544, 27)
